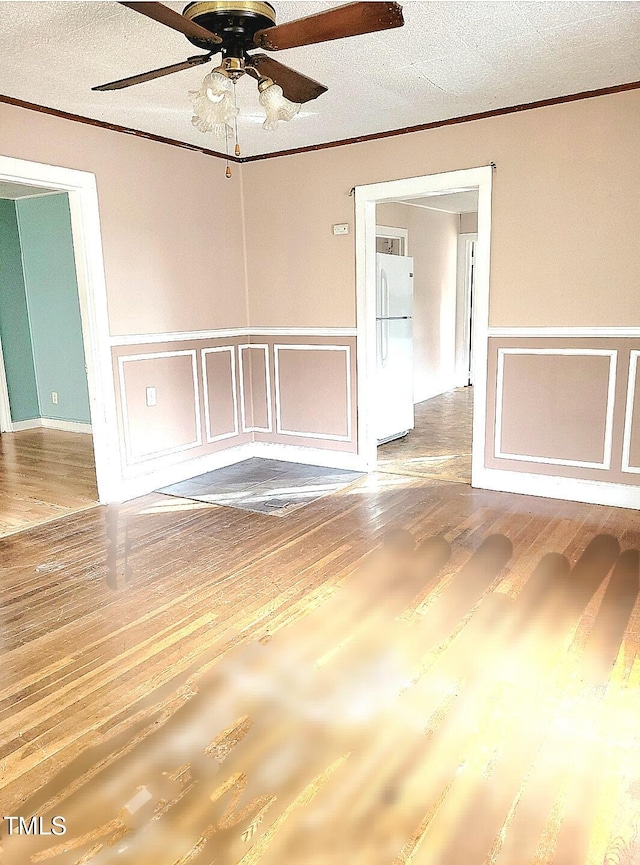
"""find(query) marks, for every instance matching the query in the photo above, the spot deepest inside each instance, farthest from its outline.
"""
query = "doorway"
(46, 449)
(102, 446)
(443, 401)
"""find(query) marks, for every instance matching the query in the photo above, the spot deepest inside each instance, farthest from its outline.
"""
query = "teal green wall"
(49, 271)
(14, 320)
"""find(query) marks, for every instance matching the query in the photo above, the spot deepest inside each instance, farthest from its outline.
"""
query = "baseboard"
(309, 456)
(133, 487)
(65, 425)
(51, 423)
(19, 425)
(551, 487)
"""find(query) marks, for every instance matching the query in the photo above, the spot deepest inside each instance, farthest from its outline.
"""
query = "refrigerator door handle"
(384, 339)
(384, 305)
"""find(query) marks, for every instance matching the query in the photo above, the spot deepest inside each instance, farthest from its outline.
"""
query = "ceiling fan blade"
(154, 73)
(172, 19)
(354, 19)
(295, 86)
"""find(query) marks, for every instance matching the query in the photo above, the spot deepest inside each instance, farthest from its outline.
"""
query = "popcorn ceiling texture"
(450, 59)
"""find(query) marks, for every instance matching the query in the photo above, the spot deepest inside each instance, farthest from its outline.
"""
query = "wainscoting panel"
(313, 391)
(170, 425)
(198, 402)
(565, 407)
(255, 388)
(567, 418)
(220, 392)
(631, 442)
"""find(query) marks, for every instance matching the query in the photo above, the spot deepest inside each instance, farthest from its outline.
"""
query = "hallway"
(440, 445)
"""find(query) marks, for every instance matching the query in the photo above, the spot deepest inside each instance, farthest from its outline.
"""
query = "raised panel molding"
(265, 348)
(608, 436)
(277, 348)
(133, 358)
(205, 387)
(628, 414)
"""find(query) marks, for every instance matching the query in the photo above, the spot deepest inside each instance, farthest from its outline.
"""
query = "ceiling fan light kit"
(236, 27)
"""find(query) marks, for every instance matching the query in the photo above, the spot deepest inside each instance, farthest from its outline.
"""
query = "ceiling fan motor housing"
(234, 21)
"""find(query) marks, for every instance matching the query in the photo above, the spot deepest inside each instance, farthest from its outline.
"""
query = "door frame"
(464, 332)
(92, 295)
(366, 199)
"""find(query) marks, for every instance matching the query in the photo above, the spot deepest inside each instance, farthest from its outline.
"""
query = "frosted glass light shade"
(214, 110)
(277, 106)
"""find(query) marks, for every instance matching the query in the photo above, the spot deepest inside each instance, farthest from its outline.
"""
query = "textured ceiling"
(450, 59)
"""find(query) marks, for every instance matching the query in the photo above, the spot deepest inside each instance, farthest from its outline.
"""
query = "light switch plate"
(151, 396)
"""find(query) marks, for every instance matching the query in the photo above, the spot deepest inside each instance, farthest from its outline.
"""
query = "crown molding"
(374, 136)
(113, 127)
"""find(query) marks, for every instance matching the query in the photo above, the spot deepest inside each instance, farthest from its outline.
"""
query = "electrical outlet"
(151, 396)
(341, 228)
(54, 397)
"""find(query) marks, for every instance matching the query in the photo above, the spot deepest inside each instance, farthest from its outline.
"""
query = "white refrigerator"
(394, 345)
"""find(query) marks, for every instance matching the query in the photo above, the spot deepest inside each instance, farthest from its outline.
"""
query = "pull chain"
(226, 147)
(235, 119)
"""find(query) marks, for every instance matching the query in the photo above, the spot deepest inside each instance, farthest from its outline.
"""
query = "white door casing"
(366, 198)
(92, 295)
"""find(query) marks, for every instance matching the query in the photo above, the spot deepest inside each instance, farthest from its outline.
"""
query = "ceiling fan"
(234, 28)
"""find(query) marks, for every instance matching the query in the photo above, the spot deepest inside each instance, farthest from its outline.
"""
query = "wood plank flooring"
(406, 671)
(440, 444)
(44, 474)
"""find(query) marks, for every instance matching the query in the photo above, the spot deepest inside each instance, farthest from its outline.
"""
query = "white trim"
(366, 198)
(228, 333)
(205, 392)
(628, 414)
(163, 476)
(463, 358)
(132, 358)
(52, 423)
(328, 437)
(574, 352)
(303, 331)
(568, 332)
(308, 456)
(92, 296)
(65, 425)
(158, 477)
(265, 348)
(21, 425)
(5, 408)
(392, 231)
(567, 489)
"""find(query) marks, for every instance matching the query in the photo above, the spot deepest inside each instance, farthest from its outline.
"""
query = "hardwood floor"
(406, 671)
(44, 474)
(440, 444)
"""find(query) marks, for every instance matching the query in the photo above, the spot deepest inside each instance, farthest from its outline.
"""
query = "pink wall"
(171, 222)
(433, 245)
(565, 211)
